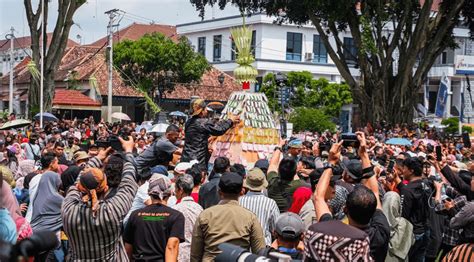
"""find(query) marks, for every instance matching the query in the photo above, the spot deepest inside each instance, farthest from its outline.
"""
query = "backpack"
(35, 156)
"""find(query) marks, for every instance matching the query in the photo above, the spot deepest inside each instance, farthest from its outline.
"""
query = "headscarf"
(401, 230)
(19, 152)
(25, 167)
(160, 186)
(338, 202)
(92, 182)
(47, 204)
(300, 196)
(32, 190)
(8, 201)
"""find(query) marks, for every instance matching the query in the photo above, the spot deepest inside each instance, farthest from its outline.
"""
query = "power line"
(138, 17)
(8, 41)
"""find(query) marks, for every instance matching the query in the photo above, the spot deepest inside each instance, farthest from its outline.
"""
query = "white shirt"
(139, 201)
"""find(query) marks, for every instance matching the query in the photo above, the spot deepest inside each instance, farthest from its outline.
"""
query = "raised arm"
(219, 128)
(320, 204)
(370, 182)
(275, 161)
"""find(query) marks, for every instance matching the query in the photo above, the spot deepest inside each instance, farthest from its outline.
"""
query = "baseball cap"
(197, 106)
(289, 225)
(183, 166)
(262, 164)
(255, 180)
(316, 174)
(231, 183)
(295, 143)
(159, 169)
(353, 168)
(80, 155)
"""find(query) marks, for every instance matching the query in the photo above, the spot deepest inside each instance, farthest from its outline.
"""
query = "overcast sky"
(91, 22)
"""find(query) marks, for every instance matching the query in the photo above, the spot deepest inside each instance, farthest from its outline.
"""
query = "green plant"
(309, 92)
(452, 124)
(311, 119)
(467, 129)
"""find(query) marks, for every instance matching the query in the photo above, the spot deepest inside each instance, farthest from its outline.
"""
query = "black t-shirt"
(149, 229)
(415, 205)
(378, 230)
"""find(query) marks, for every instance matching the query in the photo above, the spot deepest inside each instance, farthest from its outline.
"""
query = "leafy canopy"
(309, 92)
(311, 119)
(145, 62)
(396, 42)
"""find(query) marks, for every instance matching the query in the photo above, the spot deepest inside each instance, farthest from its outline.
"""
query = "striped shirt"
(99, 238)
(265, 209)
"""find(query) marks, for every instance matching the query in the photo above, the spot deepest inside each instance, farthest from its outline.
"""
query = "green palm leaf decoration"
(35, 73)
(242, 37)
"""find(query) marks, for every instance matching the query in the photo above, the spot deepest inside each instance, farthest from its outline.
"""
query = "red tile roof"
(434, 6)
(89, 60)
(135, 31)
(209, 88)
(73, 98)
(25, 42)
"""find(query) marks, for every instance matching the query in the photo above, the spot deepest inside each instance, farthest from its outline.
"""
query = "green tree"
(309, 92)
(452, 126)
(311, 119)
(53, 52)
(144, 63)
(396, 43)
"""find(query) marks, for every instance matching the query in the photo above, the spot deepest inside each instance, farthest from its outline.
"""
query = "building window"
(444, 58)
(350, 50)
(253, 44)
(216, 54)
(202, 45)
(320, 55)
(233, 51)
(294, 43)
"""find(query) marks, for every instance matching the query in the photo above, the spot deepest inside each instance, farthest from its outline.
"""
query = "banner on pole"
(442, 97)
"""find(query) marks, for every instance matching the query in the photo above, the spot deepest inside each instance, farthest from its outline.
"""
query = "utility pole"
(11, 36)
(112, 14)
(42, 63)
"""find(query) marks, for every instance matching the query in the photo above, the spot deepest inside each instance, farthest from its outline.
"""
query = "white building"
(278, 48)
(287, 47)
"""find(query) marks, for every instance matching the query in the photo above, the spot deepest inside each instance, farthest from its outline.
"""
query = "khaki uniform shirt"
(226, 222)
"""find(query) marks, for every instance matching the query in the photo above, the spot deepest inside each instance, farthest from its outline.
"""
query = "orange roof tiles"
(25, 42)
(73, 98)
(135, 31)
(209, 88)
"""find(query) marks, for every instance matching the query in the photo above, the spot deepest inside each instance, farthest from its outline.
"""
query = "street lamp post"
(280, 80)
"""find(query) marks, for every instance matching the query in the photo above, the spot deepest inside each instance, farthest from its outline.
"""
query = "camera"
(113, 140)
(350, 139)
(231, 253)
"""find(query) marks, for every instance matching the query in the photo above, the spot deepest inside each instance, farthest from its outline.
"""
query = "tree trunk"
(391, 102)
(48, 94)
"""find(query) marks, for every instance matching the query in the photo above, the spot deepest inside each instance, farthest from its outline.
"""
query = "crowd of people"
(113, 192)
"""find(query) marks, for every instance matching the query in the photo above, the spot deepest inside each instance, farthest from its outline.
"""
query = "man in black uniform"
(198, 129)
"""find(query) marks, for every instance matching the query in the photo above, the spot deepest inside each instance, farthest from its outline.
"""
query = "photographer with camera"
(363, 205)
(101, 217)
